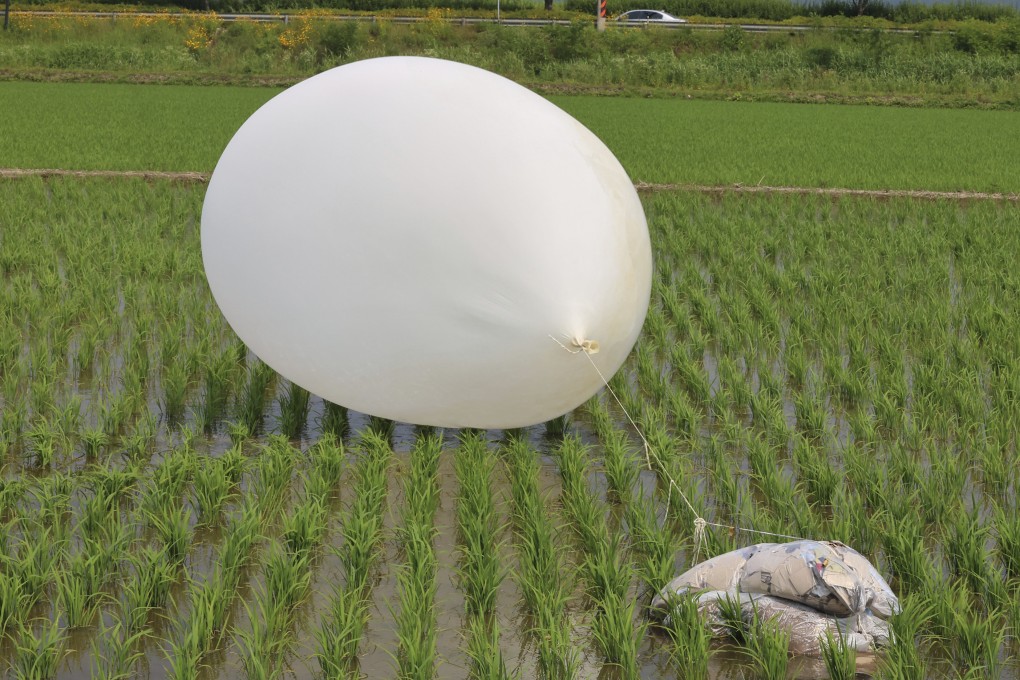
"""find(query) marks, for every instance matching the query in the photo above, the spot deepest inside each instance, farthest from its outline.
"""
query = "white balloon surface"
(428, 242)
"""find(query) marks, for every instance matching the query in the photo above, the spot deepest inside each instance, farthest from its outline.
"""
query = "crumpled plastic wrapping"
(807, 627)
(828, 576)
(808, 587)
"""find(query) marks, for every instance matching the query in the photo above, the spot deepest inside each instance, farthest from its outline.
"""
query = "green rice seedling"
(148, 589)
(340, 634)
(234, 463)
(240, 538)
(416, 621)
(556, 428)
(99, 514)
(840, 659)
(271, 616)
(274, 469)
(38, 656)
(977, 638)
(617, 635)
(329, 459)
(173, 527)
(43, 441)
(690, 636)
(36, 565)
(287, 579)
(540, 574)
(769, 649)
(304, 528)
(335, 420)
(213, 489)
(175, 382)
(558, 657)
(94, 439)
(621, 465)
(904, 546)
(118, 658)
(218, 372)
(903, 658)
(76, 591)
(261, 648)
(654, 543)
(238, 432)
(293, 411)
(965, 548)
(200, 632)
(12, 602)
(1007, 532)
(251, 401)
(480, 570)
(483, 650)
(732, 616)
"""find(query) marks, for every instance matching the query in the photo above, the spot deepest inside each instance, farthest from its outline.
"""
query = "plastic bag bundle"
(807, 572)
(827, 576)
(808, 587)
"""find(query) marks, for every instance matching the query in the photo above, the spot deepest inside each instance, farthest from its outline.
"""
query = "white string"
(700, 523)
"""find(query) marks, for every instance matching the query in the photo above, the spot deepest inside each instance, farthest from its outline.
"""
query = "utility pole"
(600, 15)
(7, 14)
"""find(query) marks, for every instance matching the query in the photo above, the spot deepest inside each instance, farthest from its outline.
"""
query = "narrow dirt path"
(646, 187)
(829, 191)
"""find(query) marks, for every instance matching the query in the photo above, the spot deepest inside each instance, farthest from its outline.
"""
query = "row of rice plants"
(607, 574)
(480, 567)
(541, 573)
(342, 628)
(416, 620)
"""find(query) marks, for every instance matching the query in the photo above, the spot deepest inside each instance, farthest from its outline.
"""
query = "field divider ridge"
(644, 187)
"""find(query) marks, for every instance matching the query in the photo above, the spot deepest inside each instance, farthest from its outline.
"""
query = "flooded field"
(841, 369)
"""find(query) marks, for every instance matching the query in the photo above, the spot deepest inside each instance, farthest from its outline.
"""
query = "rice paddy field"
(823, 367)
(87, 126)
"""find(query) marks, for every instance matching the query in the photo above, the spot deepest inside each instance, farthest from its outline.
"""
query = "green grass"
(178, 128)
(122, 127)
(812, 145)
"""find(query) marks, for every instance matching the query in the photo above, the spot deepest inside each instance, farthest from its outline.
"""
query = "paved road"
(464, 21)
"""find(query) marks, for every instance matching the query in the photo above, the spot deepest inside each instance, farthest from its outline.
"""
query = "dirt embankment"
(646, 187)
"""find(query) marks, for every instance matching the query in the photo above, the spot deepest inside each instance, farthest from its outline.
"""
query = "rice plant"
(293, 410)
(37, 656)
(118, 658)
(690, 636)
(768, 646)
(480, 569)
(339, 636)
(483, 650)
(416, 621)
(840, 659)
(213, 489)
(540, 577)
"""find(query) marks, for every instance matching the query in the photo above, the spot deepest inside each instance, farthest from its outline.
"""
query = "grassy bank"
(147, 127)
(978, 65)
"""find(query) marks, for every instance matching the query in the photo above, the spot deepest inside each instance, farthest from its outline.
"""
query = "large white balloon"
(420, 240)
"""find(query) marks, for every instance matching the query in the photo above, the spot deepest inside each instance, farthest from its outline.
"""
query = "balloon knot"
(589, 346)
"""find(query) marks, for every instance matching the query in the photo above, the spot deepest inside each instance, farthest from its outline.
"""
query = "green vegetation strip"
(182, 128)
